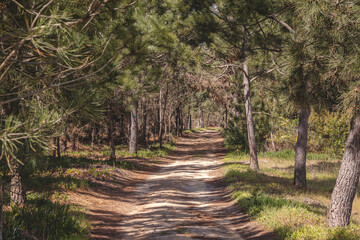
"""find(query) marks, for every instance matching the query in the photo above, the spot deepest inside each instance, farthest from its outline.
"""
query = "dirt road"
(184, 199)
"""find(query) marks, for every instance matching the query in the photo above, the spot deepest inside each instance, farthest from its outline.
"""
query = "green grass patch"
(269, 197)
(289, 154)
(189, 131)
(153, 151)
(43, 219)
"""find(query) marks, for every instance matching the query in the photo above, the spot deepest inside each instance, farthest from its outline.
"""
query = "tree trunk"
(143, 136)
(58, 147)
(300, 149)
(165, 127)
(347, 181)
(77, 142)
(207, 120)
(272, 141)
(2, 191)
(133, 131)
(181, 119)
(249, 116)
(55, 145)
(64, 143)
(162, 114)
(111, 133)
(190, 125)
(201, 118)
(73, 138)
(226, 118)
(17, 193)
(169, 123)
(93, 132)
(177, 121)
(122, 129)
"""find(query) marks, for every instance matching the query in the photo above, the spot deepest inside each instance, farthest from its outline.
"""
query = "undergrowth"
(152, 151)
(46, 214)
(269, 197)
(42, 218)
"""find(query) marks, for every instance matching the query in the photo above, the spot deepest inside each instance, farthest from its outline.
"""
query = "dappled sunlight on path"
(185, 199)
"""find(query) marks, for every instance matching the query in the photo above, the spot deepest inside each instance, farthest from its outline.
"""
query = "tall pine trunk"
(133, 131)
(2, 192)
(169, 123)
(189, 120)
(122, 129)
(73, 138)
(300, 148)
(58, 147)
(254, 165)
(208, 120)
(226, 117)
(54, 143)
(17, 193)
(347, 181)
(177, 121)
(201, 119)
(162, 110)
(144, 126)
(111, 133)
(181, 121)
(93, 132)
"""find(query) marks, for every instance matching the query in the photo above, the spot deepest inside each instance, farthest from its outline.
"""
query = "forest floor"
(181, 196)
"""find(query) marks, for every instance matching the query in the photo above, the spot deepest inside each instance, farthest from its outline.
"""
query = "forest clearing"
(179, 119)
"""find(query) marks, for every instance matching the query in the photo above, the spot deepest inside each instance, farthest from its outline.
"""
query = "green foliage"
(327, 133)
(98, 173)
(236, 136)
(44, 219)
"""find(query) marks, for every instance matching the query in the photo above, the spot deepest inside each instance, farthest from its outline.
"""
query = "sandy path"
(184, 199)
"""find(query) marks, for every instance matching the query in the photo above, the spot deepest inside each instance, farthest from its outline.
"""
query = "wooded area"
(275, 75)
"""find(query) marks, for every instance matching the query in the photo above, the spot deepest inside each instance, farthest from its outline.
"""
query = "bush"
(236, 136)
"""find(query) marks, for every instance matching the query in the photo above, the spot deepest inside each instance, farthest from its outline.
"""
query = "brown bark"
(272, 141)
(73, 138)
(169, 123)
(189, 123)
(133, 131)
(58, 147)
(254, 165)
(54, 143)
(178, 125)
(208, 120)
(2, 191)
(77, 142)
(17, 193)
(93, 132)
(347, 181)
(122, 129)
(300, 148)
(181, 122)
(226, 118)
(111, 133)
(201, 120)
(162, 114)
(143, 136)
